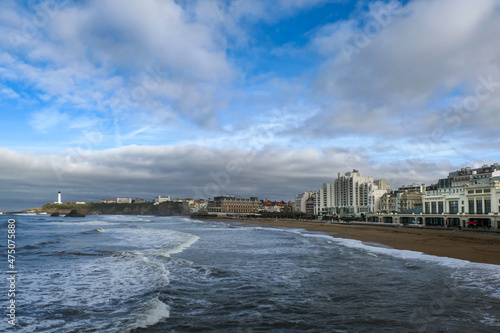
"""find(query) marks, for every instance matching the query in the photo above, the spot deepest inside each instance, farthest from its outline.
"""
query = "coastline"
(476, 247)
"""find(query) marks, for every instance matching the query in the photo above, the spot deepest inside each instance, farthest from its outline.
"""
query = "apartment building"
(354, 194)
(324, 202)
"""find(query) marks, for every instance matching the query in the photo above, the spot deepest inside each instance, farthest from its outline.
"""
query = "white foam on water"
(180, 247)
(154, 241)
(155, 311)
(84, 223)
(90, 284)
(375, 248)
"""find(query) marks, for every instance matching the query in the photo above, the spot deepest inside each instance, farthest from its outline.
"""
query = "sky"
(199, 98)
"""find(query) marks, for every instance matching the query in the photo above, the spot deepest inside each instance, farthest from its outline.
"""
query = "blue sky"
(143, 98)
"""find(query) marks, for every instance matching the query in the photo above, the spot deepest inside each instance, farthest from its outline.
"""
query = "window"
(479, 191)
(471, 207)
(487, 206)
(433, 207)
(479, 206)
(427, 207)
(440, 207)
(453, 206)
(470, 191)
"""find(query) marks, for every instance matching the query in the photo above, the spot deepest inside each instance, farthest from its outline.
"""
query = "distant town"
(467, 198)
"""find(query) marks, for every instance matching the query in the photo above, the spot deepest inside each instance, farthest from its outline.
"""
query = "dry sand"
(472, 246)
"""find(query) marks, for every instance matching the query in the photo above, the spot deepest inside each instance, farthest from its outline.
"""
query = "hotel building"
(230, 204)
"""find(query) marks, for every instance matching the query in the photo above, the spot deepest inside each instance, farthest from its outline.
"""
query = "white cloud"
(194, 171)
(46, 120)
(422, 54)
(143, 55)
(8, 92)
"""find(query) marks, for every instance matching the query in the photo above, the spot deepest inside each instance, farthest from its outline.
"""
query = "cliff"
(92, 208)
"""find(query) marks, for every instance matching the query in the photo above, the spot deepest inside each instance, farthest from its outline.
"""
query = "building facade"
(161, 198)
(272, 206)
(405, 198)
(466, 192)
(304, 202)
(231, 204)
(124, 200)
(354, 194)
(325, 200)
(467, 198)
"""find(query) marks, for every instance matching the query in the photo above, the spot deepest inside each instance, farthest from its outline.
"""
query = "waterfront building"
(467, 198)
(231, 204)
(108, 201)
(354, 194)
(465, 192)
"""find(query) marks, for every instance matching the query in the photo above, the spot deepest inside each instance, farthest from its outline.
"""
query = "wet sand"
(472, 246)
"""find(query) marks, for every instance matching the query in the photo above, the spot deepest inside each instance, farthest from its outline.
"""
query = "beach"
(480, 247)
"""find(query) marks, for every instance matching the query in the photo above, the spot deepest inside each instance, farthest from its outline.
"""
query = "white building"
(124, 200)
(159, 199)
(354, 194)
(325, 200)
(304, 202)
(464, 193)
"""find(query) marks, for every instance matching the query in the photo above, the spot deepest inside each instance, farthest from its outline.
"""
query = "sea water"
(172, 274)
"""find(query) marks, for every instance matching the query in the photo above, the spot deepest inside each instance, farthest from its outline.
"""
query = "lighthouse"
(59, 201)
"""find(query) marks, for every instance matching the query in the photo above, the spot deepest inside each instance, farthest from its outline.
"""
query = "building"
(325, 200)
(272, 206)
(59, 198)
(231, 204)
(304, 202)
(354, 194)
(405, 198)
(161, 198)
(467, 198)
(124, 200)
(138, 200)
(473, 195)
(198, 206)
(289, 207)
(108, 201)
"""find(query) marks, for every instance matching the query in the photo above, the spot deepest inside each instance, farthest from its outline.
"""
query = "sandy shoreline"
(471, 246)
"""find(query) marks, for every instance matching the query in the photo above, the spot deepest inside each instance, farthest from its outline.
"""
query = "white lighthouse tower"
(59, 201)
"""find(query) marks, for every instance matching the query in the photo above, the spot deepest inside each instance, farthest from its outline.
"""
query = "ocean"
(174, 274)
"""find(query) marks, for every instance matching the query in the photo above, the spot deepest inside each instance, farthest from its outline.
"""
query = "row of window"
(478, 206)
